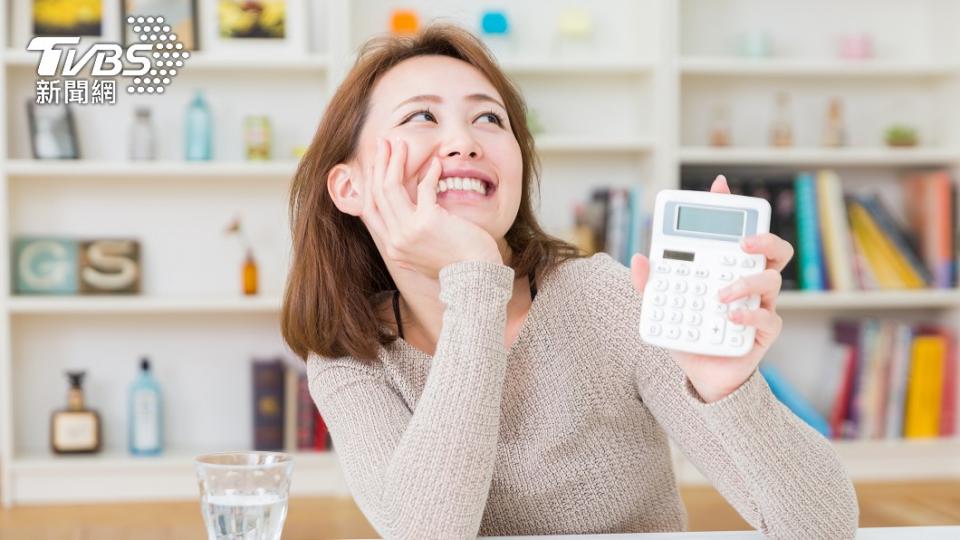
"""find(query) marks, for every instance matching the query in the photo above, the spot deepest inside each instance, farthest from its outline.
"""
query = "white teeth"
(463, 184)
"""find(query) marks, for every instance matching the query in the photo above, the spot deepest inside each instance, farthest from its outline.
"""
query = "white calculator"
(694, 252)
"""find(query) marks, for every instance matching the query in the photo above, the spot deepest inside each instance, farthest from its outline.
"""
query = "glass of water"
(243, 495)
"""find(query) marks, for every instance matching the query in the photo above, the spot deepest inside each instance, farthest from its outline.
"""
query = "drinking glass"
(243, 495)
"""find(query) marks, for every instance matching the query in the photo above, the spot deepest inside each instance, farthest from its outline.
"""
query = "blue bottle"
(146, 413)
(199, 129)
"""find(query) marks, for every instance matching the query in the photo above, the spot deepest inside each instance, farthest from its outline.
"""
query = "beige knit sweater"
(566, 432)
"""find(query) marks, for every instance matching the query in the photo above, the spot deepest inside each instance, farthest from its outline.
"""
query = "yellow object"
(890, 266)
(404, 21)
(925, 387)
(574, 23)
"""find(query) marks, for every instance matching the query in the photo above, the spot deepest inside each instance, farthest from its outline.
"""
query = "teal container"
(146, 413)
(199, 129)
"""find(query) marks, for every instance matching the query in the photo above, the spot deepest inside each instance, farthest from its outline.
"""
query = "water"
(244, 517)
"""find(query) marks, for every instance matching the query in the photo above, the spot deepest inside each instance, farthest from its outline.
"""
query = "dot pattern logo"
(167, 54)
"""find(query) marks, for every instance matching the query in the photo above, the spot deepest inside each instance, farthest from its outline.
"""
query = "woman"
(480, 377)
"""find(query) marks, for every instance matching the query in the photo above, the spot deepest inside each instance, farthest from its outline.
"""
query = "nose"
(461, 143)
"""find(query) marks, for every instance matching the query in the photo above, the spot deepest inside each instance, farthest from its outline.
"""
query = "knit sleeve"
(781, 475)
(426, 473)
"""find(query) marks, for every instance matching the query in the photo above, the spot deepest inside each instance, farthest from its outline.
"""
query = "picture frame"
(53, 133)
(221, 17)
(22, 29)
(181, 15)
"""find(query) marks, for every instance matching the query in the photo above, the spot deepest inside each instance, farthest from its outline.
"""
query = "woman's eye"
(426, 115)
(494, 118)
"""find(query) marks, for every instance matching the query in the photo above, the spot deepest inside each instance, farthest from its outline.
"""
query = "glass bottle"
(142, 140)
(835, 133)
(720, 126)
(76, 429)
(781, 131)
(146, 413)
(199, 126)
(249, 274)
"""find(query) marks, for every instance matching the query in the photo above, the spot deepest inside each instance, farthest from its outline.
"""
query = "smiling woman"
(508, 391)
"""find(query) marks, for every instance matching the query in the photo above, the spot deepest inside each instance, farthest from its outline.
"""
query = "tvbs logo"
(106, 57)
(152, 61)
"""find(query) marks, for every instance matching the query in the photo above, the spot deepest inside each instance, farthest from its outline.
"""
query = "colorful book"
(925, 387)
(835, 231)
(789, 396)
(268, 404)
(808, 234)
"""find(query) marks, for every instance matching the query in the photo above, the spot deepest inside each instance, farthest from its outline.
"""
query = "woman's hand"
(717, 376)
(424, 237)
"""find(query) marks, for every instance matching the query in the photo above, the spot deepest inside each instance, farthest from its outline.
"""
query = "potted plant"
(899, 135)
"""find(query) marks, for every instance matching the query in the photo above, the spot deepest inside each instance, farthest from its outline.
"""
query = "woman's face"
(444, 107)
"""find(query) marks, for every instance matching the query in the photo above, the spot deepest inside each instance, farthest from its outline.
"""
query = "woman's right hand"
(424, 236)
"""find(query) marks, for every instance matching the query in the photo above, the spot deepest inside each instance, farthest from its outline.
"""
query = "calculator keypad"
(686, 314)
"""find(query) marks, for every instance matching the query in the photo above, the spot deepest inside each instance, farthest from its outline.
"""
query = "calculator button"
(659, 299)
(696, 304)
(680, 286)
(692, 334)
(726, 276)
(673, 332)
(694, 318)
(734, 327)
(676, 317)
(656, 314)
(719, 307)
(748, 263)
(663, 268)
(701, 273)
(728, 260)
(660, 284)
(653, 329)
(677, 302)
(682, 270)
(716, 330)
(735, 340)
(700, 288)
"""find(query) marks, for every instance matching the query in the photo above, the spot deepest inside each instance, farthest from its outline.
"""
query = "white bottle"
(146, 413)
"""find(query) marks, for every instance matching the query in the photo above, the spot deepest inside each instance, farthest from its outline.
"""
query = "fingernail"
(734, 315)
(748, 242)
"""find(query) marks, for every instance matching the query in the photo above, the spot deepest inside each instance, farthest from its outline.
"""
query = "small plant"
(236, 227)
(901, 135)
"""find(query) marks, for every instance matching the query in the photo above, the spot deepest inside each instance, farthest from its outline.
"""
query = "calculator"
(694, 252)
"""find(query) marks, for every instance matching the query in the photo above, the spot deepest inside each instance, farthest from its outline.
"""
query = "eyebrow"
(438, 99)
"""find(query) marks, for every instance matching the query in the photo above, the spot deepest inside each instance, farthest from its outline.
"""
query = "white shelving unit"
(632, 109)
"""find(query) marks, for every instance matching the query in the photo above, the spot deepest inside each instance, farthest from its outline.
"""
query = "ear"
(346, 189)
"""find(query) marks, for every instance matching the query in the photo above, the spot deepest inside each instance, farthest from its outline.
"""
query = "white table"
(870, 533)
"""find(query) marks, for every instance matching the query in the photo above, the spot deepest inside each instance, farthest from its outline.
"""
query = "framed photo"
(91, 20)
(74, 18)
(52, 131)
(254, 27)
(180, 15)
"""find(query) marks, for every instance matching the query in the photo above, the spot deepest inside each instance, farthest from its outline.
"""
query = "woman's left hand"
(717, 376)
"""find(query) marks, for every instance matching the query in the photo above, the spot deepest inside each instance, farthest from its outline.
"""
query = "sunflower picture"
(67, 17)
(252, 18)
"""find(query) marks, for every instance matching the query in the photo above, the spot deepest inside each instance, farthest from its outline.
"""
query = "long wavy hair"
(336, 268)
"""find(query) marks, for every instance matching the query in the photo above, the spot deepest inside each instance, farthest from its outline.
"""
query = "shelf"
(47, 478)
(779, 67)
(893, 299)
(37, 305)
(29, 168)
(862, 156)
(206, 61)
(875, 461)
(547, 66)
(557, 144)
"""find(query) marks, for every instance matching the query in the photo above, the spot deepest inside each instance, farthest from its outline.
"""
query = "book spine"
(268, 404)
(808, 235)
(305, 413)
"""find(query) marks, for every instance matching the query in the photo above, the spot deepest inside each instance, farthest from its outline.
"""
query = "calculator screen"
(710, 220)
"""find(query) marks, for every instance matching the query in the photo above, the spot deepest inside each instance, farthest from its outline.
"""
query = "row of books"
(884, 380)
(853, 241)
(284, 415)
(614, 221)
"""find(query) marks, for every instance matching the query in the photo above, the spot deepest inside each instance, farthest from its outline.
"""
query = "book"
(835, 231)
(902, 242)
(925, 387)
(808, 234)
(268, 404)
(790, 397)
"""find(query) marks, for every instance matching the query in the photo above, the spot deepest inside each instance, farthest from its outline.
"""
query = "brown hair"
(336, 266)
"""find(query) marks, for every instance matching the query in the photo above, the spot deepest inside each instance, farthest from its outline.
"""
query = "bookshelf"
(634, 109)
